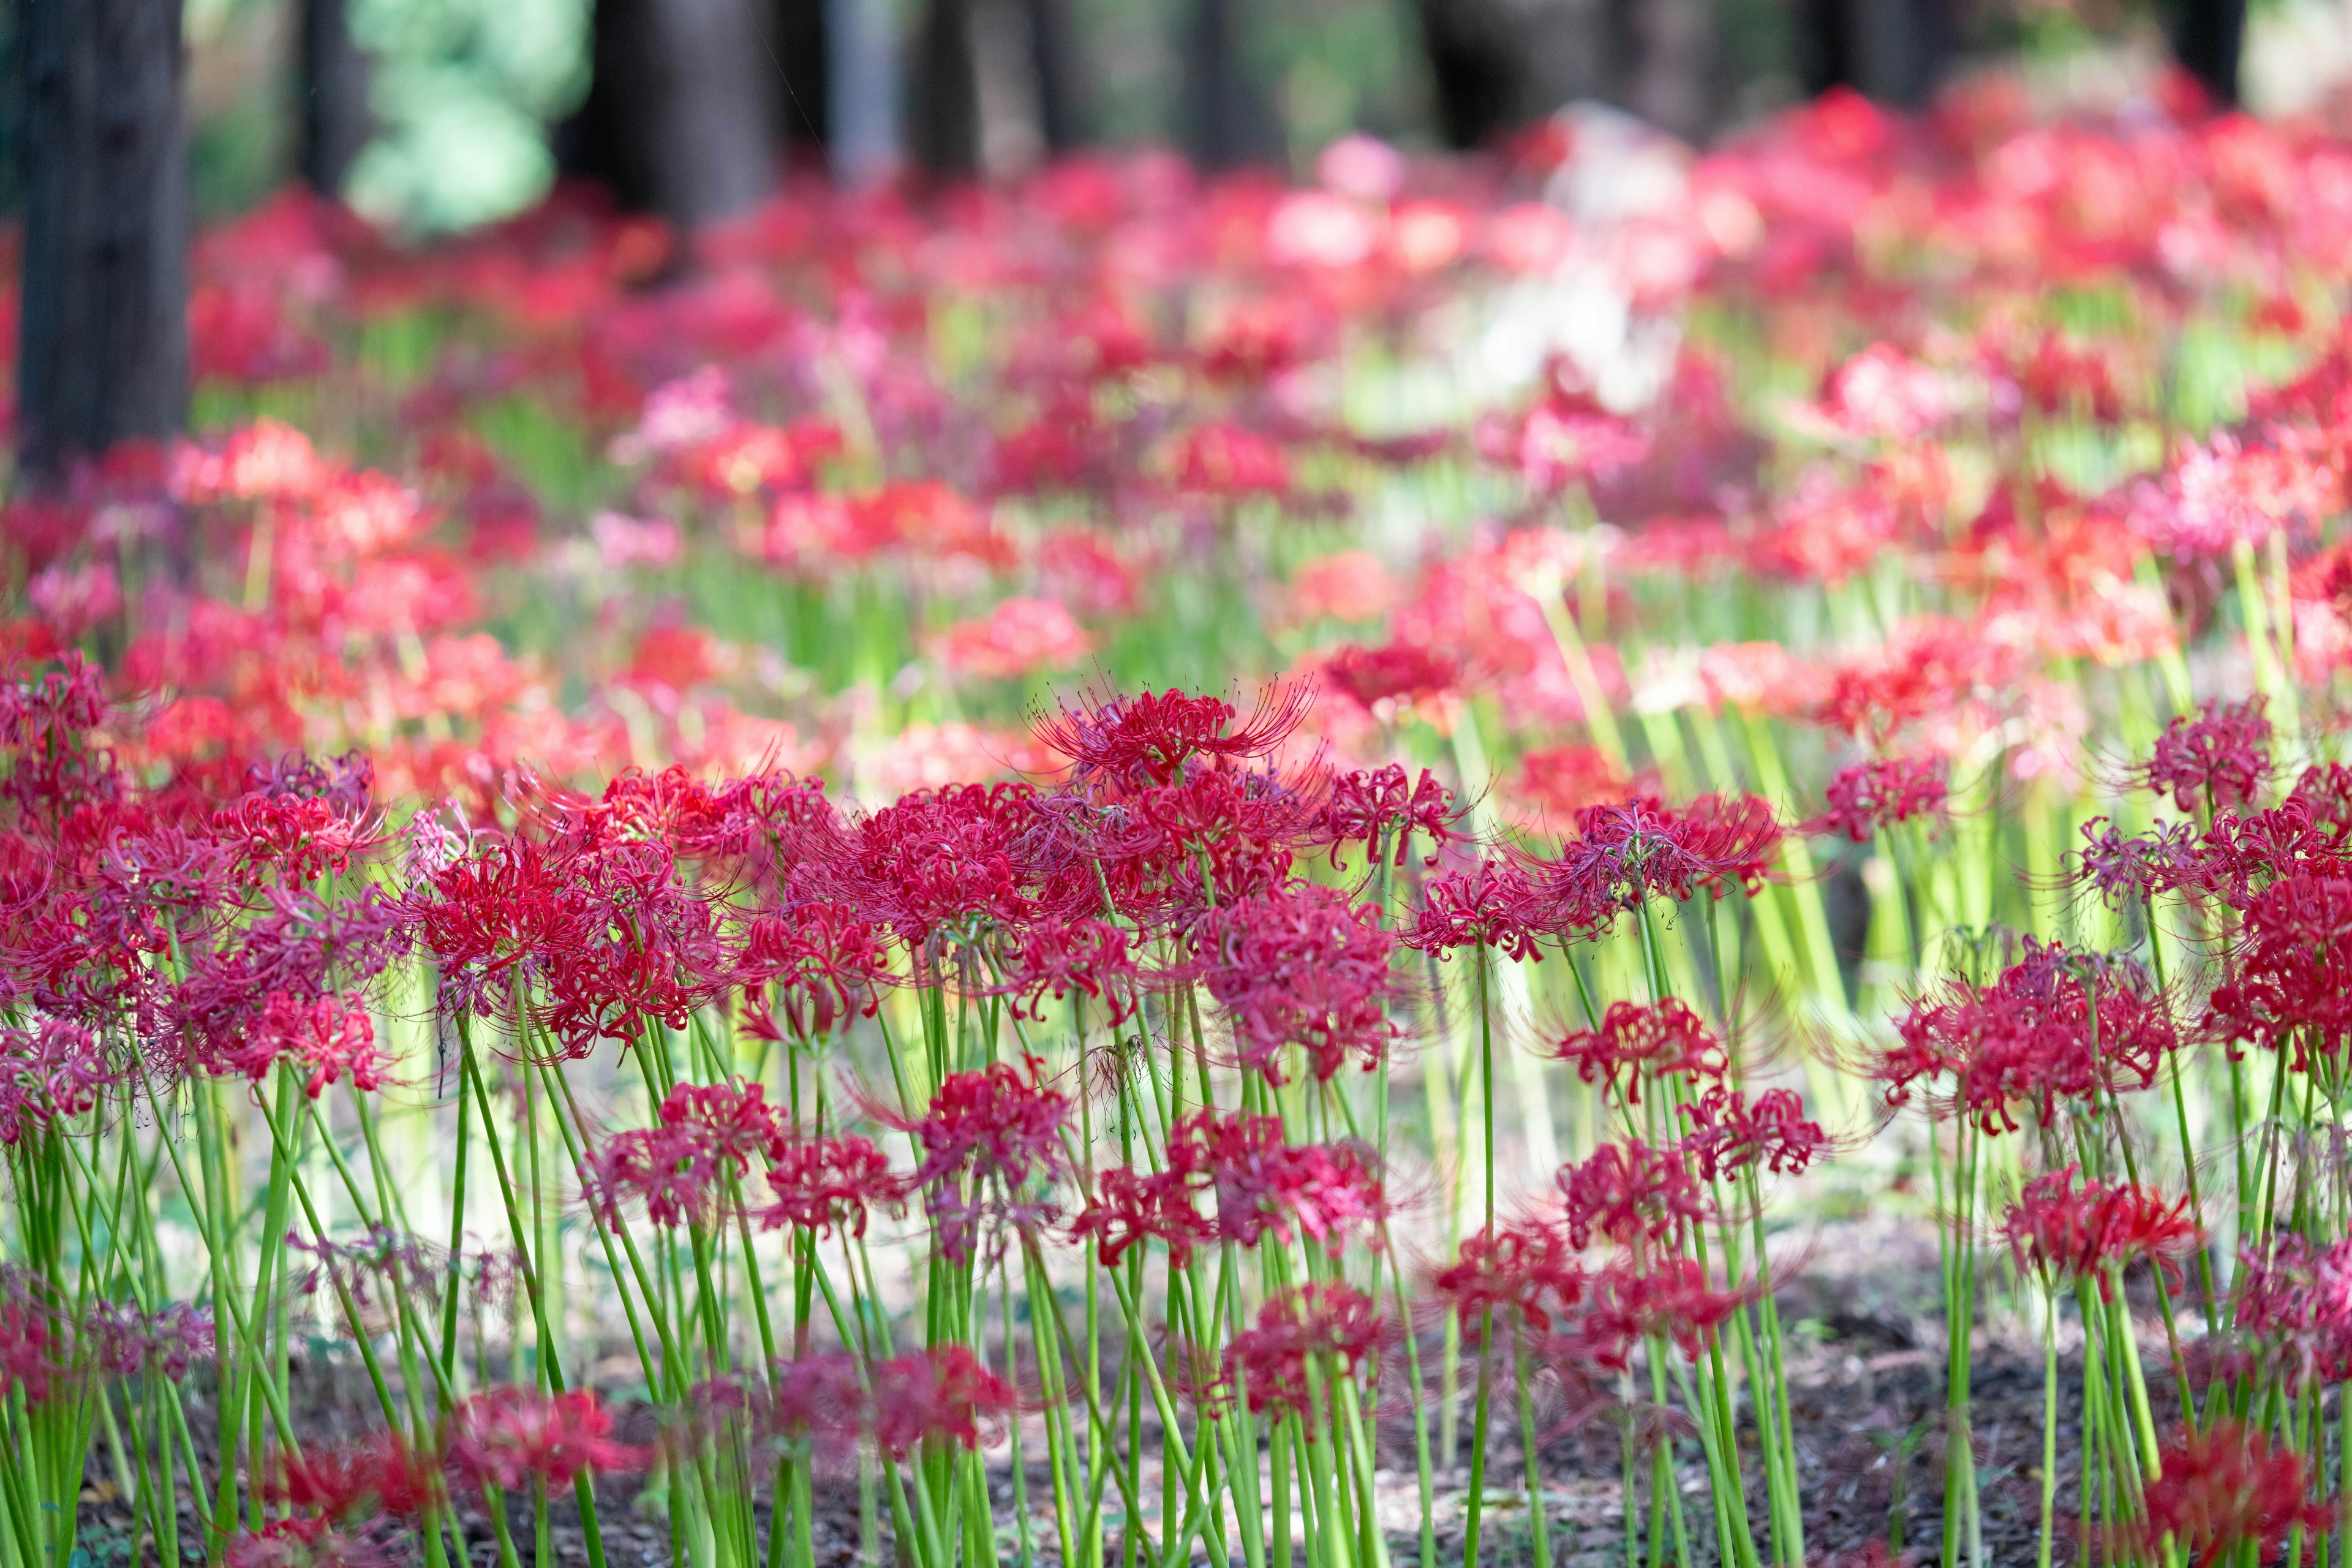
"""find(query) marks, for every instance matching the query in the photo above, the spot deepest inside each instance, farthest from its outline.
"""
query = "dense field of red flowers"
(1140, 870)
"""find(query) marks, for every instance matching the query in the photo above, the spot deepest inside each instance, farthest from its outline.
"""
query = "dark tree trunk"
(681, 117)
(1053, 54)
(803, 55)
(1890, 52)
(864, 67)
(1228, 121)
(104, 336)
(2206, 39)
(334, 87)
(1665, 65)
(1478, 68)
(947, 92)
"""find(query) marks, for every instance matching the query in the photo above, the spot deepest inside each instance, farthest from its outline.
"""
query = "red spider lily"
(1392, 673)
(2057, 1026)
(824, 961)
(935, 859)
(304, 836)
(2216, 759)
(1881, 793)
(2131, 870)
(329, 1036)
(1147, 739)
(1563, 780)
(1525, 1269)
(671, 1169)
(943, 1393)
(1335, 1322)
(1623, 856)
(1631, 1193)
(303, 1543)
(2297, 1300)
(2223, 1491)
(118, 1337)
(1667, 1298)
(509, 1436)
(984, 1137)
(817, 1184)
(1299, 966)
(2292, 986)
(2066, 1230)
(1056, 956)
(32, 1351)
(816, 1402)
(1637, 1041)
(61, 1071)
(1130, 1206)
(1731, 1133)
(355, 1482)
(1495, 904)
(1365, 808)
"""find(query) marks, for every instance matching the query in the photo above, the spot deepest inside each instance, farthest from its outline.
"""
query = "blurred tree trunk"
(1666, 64)
(334, 87)
(2206, 39)
(1228, 121)
(1478, 69)
(947, 92)
(681, 116)
(863, 91)
(1053, 55)
(1890, 52)
(803, 45)
(103, 333)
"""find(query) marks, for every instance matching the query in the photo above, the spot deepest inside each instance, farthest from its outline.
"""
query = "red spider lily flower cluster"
(1260, 1183)
(984, 1138)
(2066, 1228)
(2296, 1300)
(2215, 761)
(1623, 856)
(1665, 1299)
(943, 1393)
(2291, 986)
(2221, 1492)
(1378, 809)
(703, 1150)
(1491, 904)
(1300, 966)
(1880, 793)
(1637, 1041)
(1330, 1329)
(1729, 1132)
(1526, 1271)
(510, 1437)
(1631, 1194)
(2056, 1027)
(352, 1482)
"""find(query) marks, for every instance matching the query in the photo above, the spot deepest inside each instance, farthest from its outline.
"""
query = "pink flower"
(1017, 636)
(942, 1394)
(1525, 1269)
(1299, 966)
(2068, 1229)
(1882, 793)
(1668, 1299)
(1730, 1133)
(2218, 759)
(1335, 1326)
(1633, 1195)
(1635, 1041)
(510, 1437)
(2221, 1492)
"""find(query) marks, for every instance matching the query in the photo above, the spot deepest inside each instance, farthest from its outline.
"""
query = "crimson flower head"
(1366, 806)
(1637, 1041)
(1633, 1194)
(984, 1137)
(1397, 671)
(2218, 759)
(2297, 1300)
(56, 1071)
(1301, 966)
(1494, 903)
(356, 1481)
(821, 961)
(2291, 988)
(311, 1543)
(1527, 1269)
(818, 1183)
(2223, 1491)
(2065, 1229)
(509, 1436)
(1881, 793)
(32, 1348)
(1623, 856)
(1054, 957)
(1147, 739)
(1731, 1133)
(1260, 1183)
(678, 1167)
(2130, 870)
(1634, 1302)
(1334, 1325)
(2057, 1026)
(815, 1404)
(942, 1393)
